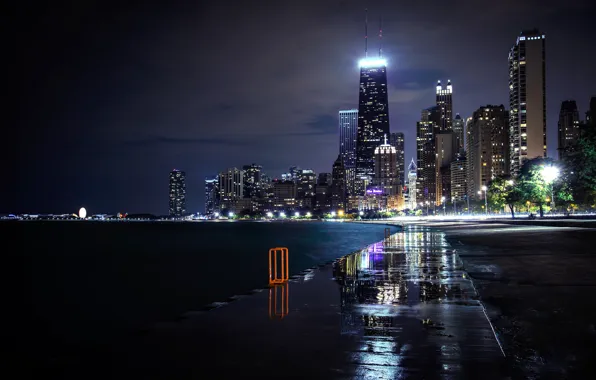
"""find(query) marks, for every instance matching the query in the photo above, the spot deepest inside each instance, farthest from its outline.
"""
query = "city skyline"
(117, 124)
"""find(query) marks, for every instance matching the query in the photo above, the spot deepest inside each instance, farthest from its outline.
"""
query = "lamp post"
(549, 174)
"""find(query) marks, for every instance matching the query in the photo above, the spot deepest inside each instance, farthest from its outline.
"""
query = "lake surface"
(79, 284)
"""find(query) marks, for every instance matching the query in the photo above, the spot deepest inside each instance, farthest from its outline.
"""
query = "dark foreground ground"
(538, 285)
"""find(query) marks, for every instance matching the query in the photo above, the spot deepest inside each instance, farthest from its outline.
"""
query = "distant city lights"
(82, 213)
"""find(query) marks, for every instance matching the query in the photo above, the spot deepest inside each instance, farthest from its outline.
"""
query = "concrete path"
(402, 308)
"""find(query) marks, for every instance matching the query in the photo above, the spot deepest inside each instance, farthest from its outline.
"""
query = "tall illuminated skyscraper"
(373, 114)
(348, 132)
(177, 193)
(568, 126)
(211, 195)
(527, 99)
(445, 104)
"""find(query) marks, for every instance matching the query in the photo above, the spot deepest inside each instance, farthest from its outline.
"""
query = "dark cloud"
(121, 93)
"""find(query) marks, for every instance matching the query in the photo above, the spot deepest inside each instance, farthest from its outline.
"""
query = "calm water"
(88, 282)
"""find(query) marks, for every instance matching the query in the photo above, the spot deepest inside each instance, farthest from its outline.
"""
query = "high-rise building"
(397, 140)
(231, 183)
(458, 131)
(211, 195)
(373, 118)
(412, 195)
(445, 104)
(426, 130)
(444, 155)
(385, 177)
(568, 126)
(338, 185)
(252, 187)
(527, 99)
(177, 193)
(348, 134)
(325, 178)
(487, 154)
(458, 179)
(306, 182)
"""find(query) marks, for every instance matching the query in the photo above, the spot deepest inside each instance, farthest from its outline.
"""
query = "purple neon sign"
(374, 191)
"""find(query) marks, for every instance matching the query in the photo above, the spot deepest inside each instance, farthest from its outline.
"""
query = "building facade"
(373, 118)
(231, 188)
(385, 177)
(338, 184)
(398, 141)
(458, 180)
(426, 130)
(459, 132)
(487, 154)
(252, 187)
(211, 195)
(568, 126)
(527, 99)
(177, 193)
(412, 190)
(348, 134)
(445, 104)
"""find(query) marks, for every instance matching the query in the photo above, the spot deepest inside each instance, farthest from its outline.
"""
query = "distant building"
(284, 195)
(211, 195)
(487, 153)
(348, 134)
(338, 184)
(412, 197)
(252, 187)
(306, 183)
(527, 99)
(591, 113)
(458, 179)
(385, 175)
(458, 132)
(568, 126)
(445, 104)
(444, 155)
(231, 183)
(397, 140)
(426, 129)
(177, 193)
(373, 118)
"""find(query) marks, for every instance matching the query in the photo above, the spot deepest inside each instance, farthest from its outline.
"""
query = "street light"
(297, 214)
(231, 214)
(361, 213)
(333, 214)
(308, 214)
(282, 214)
(269, 214)
(549, 174)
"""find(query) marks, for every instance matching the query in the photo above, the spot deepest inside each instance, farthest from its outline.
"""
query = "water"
(86, 283)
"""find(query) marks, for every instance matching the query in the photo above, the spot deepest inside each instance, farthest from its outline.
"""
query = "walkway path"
(402, 308)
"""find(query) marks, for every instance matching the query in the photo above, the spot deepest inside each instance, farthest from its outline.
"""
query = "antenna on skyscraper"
(366, 33)
(380, 36)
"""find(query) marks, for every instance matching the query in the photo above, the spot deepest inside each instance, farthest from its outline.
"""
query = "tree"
(580, 166)
(503, 191)
(532, 185)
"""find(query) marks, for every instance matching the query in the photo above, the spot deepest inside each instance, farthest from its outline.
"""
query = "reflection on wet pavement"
(401, 309)
(413, 311)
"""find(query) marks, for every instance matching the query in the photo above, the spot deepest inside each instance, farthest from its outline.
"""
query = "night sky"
(112, 96)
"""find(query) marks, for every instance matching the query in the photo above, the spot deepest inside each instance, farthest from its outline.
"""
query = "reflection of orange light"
(284, 295)
(284, 273)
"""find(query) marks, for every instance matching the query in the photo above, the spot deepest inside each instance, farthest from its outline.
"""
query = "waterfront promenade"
(401, 308)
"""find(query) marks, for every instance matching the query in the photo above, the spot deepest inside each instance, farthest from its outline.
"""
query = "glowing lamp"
(82, 213)
(549, 173)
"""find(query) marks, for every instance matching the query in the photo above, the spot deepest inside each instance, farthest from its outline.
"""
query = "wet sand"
(538, 285)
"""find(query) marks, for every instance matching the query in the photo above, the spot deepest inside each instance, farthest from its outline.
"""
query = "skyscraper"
(305, 184)
(591, 113)
(412, 195)
(397, 140)
(385, 177)
(338, 185)
(211, 195)
(373, 118)
(426, 130)
(445, 104)
(487, 150)
(177, 193)
(527, 99)
(458, 131)
(458, 180)
(348, 134)
(568, 126)
(231, 183)
(252, 187)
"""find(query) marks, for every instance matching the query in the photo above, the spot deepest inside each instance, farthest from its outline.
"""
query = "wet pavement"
(401, 309)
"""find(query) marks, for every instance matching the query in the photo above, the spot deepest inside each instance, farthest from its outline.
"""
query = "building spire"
(366, 33)
(385, 136)
(380, 36)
